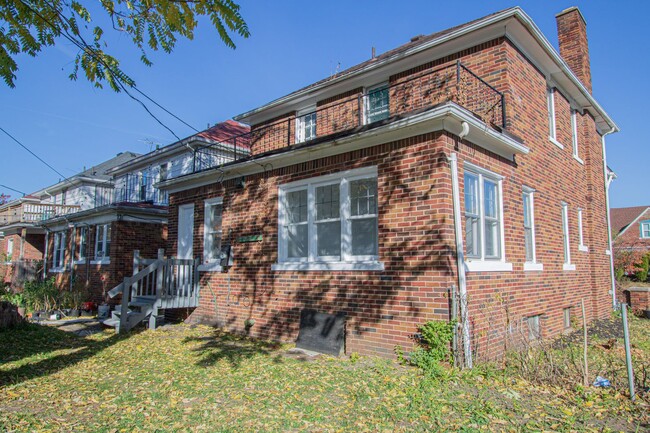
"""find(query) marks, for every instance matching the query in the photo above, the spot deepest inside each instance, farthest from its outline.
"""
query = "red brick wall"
(126, 236)
(416, 233)
(33, 246)
(574, 47)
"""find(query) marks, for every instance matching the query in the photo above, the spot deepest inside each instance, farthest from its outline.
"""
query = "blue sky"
(293, 43)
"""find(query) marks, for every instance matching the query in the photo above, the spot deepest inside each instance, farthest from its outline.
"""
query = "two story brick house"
(465, 165)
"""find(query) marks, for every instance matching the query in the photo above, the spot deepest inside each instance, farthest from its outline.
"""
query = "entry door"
(185, 231)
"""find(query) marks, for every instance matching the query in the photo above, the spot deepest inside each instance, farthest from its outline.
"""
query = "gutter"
(460, 262)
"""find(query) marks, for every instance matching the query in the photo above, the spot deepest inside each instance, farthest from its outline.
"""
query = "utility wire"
(7, 187)
(33, 154)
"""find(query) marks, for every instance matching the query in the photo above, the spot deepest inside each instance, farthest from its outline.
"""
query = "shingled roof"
(624, 216)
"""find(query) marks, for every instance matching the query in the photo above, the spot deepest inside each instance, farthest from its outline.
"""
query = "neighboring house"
(631, 228)
(478, 146)
(22, 240)
(96, 245)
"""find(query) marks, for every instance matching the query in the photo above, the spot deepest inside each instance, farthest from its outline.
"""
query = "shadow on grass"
(232, 348)
(40, 342)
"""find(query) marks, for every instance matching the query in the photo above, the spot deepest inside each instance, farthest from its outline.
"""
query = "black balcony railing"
(131, 189)
(412, 93)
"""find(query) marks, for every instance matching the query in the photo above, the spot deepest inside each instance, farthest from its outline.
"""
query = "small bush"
(434, 346)
(644, 266)
(41, 295)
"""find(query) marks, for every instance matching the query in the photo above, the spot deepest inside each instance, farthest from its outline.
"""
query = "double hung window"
(530, 263)
(103, 242)
(377, 103)
(83, 243)
(330, 219)
(212, 231)
(565, 239)
(306, 125)
(645, 229)
(58, 261)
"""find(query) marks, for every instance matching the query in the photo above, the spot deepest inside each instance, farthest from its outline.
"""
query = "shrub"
(644, 266)
(41, 295)
(434, 346)
(628, 263)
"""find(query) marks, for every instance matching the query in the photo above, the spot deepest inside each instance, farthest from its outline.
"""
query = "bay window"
(329, 222)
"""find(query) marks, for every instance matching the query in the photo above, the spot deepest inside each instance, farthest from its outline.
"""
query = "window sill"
(100, 262)
(57, 270)
(80, 262)
(555, 142)
(583, 248)
(577, 158)
(530, 266)
(328, 266)
(487, 266)
(210, 267)
(568, 267)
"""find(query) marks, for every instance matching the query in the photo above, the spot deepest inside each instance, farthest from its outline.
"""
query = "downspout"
(608, 181)
(73, 241)
(45, 255)
(460, 260)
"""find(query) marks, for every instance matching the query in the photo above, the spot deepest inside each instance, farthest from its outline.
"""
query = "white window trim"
(82, 260)
(582, 247)
(213, 265)
(532, 265)
(366, 99)
(574, 136)
(300, 127)
(106, 260)
(312, 262)
(57, 245)
(641, 224)
(482, 264)
(552, 126)
(567, 265)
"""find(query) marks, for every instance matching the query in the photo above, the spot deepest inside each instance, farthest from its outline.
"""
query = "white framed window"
(329, 223)
(645, 229)
(484, 243)
(581, 246)
(163, 172)
(552, 127)
(377, 103)
(142, 188)
(534, 329)
(83, 244)
(10, 249)
(574, 135)
(212, 234)
(58, 258)
(530, 263)
(567, 266)
(306, 124)
(103, 243)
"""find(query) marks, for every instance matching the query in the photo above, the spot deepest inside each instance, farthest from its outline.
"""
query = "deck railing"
(405, 95)
(34, 212)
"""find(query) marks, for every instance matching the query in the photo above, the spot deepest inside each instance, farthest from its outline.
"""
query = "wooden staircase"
(156, 285)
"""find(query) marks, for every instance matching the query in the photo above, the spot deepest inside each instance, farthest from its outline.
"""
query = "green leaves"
(29, 26)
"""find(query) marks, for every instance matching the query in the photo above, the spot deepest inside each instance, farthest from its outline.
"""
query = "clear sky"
(293, 43)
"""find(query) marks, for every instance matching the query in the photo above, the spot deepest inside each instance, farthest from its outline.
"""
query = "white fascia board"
(447, 117)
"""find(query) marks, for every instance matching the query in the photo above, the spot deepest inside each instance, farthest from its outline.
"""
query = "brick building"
(95, 245)
(468, 164)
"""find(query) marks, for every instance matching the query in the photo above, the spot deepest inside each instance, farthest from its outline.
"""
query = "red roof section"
(623, 216)
(224, 132)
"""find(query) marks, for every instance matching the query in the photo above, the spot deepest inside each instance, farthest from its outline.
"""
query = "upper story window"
(645, 229)
(83, 243)
(142, 190)
(550, 99)
(306, 125)
(103, 242)
(574, 134)
(377, 103)
(58, 259)
(164, 171)
(10, 248)
(565, 239)
(330, 221)
(212, 232)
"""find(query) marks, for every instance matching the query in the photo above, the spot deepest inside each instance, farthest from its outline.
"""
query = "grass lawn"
(183, 378)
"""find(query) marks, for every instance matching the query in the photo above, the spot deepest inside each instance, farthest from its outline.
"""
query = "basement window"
(534, 330)
(566, 318)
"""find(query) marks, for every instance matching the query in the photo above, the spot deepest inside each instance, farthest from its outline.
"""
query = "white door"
(185, 231)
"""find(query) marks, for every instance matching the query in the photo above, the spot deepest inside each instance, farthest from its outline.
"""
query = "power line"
(35, 155)
(7, 187)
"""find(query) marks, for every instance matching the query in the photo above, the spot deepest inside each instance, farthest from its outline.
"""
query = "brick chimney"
(574, 49)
